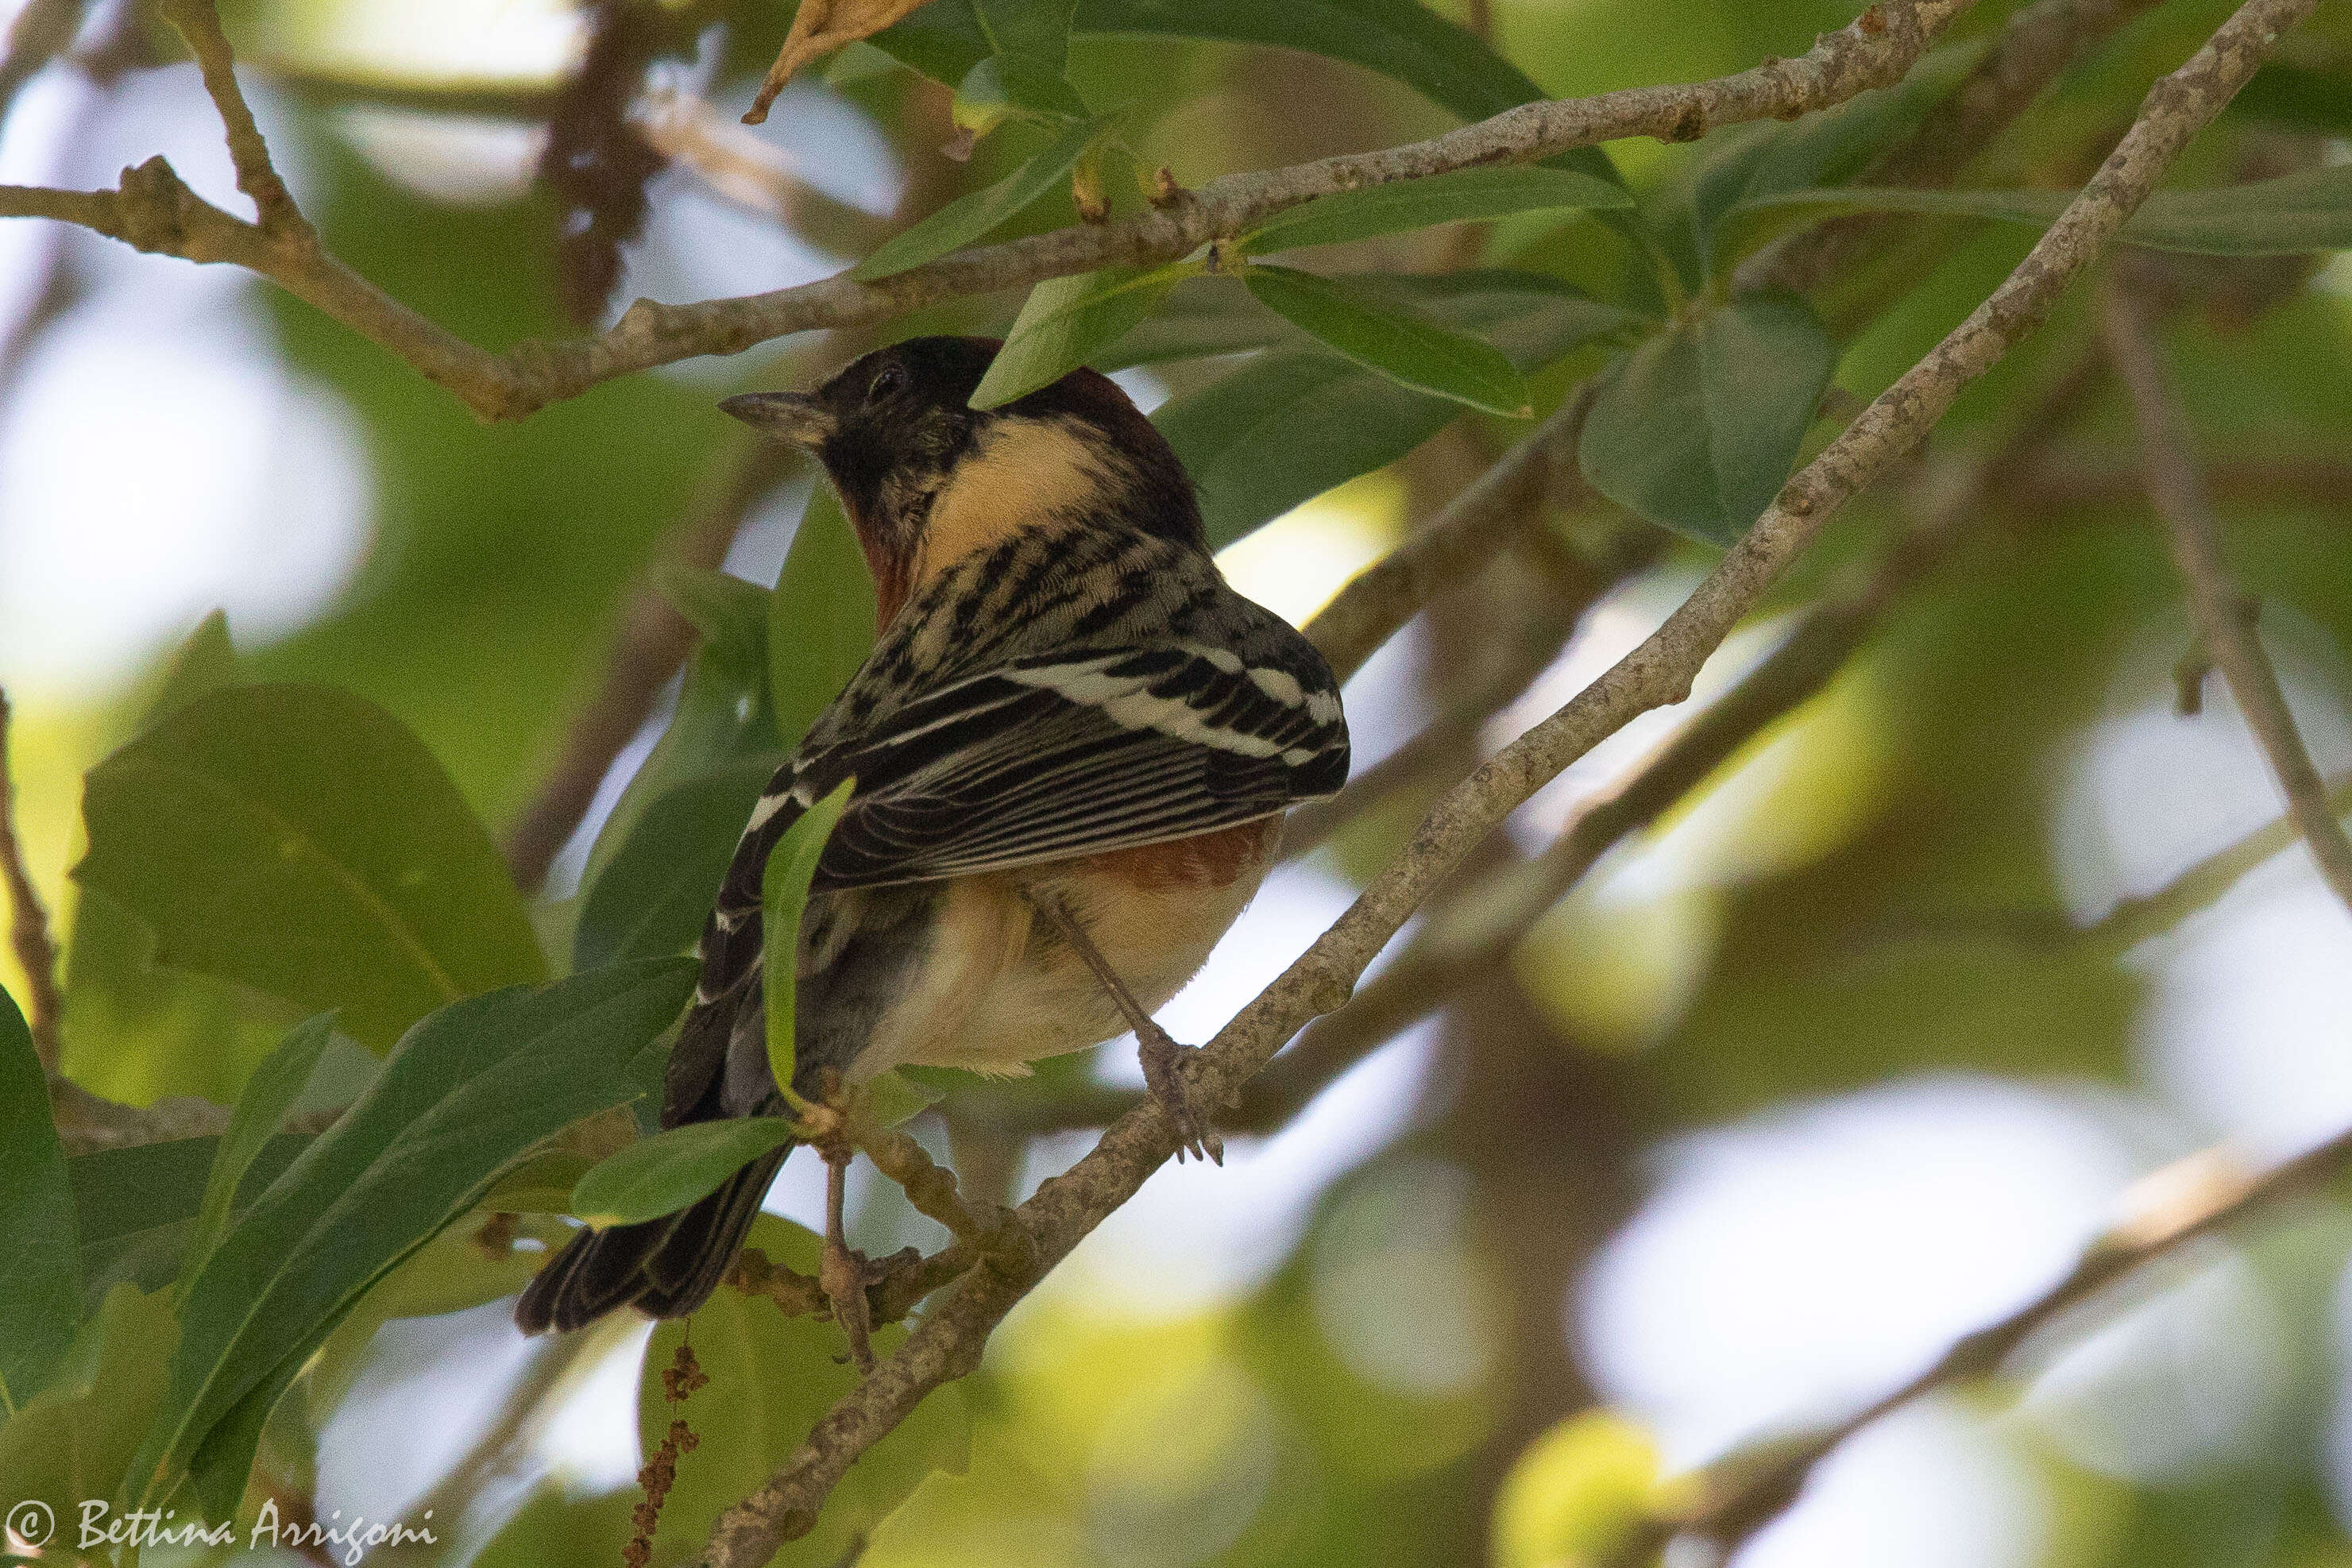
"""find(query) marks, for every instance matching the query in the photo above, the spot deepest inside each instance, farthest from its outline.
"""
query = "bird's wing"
(1051, 758)
(1037, 760)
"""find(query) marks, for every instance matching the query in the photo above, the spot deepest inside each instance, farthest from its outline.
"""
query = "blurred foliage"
(1874, 889)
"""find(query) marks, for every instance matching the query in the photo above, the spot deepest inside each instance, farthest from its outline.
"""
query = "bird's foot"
(842, 1271)
(1165, 1070)
(845, 1273)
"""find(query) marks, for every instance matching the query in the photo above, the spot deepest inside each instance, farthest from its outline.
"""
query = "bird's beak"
(793, 416)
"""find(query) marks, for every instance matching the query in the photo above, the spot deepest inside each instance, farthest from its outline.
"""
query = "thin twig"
(2133, 920)
(2224, 615)
(154, 210)
(948, 1342)
(28, 930)
(931, 1188)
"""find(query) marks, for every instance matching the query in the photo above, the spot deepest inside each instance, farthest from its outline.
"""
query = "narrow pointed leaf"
(664, 1173)
(969, 217)
(261, 1109)
(1464, 195)
(650, 902)
(1408, 348)
(783, 895)
(465, 1095)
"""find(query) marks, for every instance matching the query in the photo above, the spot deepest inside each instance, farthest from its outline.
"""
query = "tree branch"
(154, 211)
(2191, 1198)
(949, 1340)
(28, 931)
(2225, 616)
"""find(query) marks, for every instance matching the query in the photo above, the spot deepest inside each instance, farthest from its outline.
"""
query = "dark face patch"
(902, 421)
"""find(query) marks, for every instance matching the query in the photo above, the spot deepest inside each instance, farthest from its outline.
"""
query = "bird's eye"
(890, 380)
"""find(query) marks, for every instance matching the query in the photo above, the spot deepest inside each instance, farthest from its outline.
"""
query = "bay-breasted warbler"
(1072, 748)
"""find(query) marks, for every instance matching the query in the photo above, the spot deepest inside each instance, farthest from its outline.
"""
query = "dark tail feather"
(666, 1267)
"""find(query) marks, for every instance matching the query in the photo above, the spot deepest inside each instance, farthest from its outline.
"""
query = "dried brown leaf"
(819, 27)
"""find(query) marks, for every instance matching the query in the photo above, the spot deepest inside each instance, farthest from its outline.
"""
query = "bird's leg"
(1163, 1058)
(842, 1272)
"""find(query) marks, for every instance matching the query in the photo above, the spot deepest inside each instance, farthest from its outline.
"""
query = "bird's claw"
(1164, 1072)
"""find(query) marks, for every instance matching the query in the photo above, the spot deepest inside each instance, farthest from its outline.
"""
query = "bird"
(1068, 757)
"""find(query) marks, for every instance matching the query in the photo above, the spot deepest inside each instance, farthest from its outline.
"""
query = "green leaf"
(205, 663)
(1033, 29)
(892, 1098)
(1065, 321)
(730, 614)
(650, 902)
(2293, 95)
(1408, 348)
(74, 1439)
(820, 618)
(1402, 40)
(784, 896)
(660, 856)
(1012, 87)
(542, 1184)
(138, 1205)
(464, 1094)
(664, 1173)
(771, 1378)
(972, 216)
(556, 1526)
(1199, 318)
(268, 1095)
(1698, 428)
(1464, 195)
(1288, 424)
(40, 1283)
(2309, 210)
(300, 841)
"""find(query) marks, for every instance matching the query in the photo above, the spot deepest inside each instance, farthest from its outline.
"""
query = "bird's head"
(926, 479)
